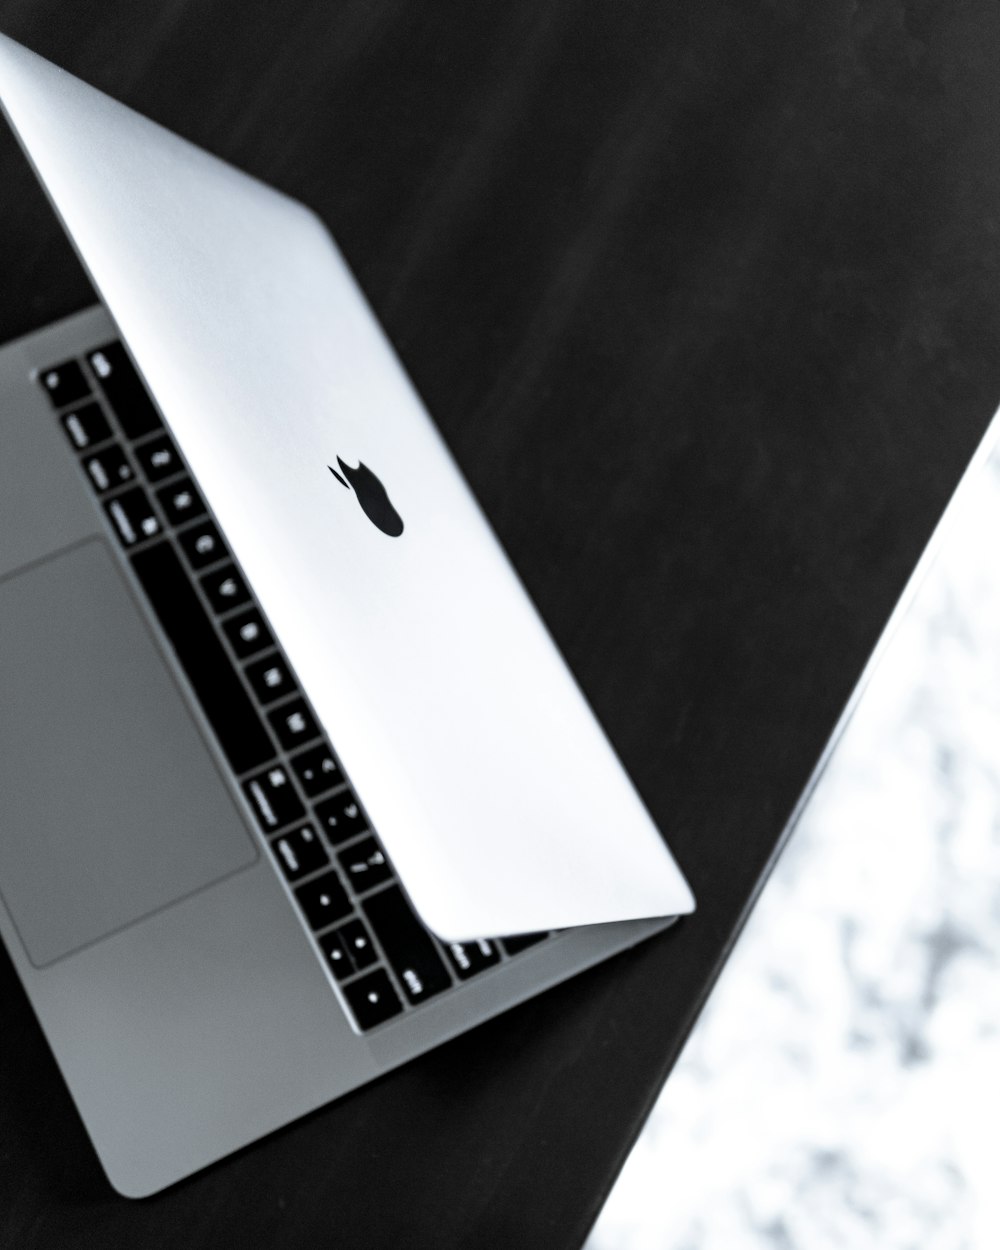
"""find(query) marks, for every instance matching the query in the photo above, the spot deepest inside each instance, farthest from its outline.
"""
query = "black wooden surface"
(705, 298)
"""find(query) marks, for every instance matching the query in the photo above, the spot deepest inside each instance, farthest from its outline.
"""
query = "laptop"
(296, 784)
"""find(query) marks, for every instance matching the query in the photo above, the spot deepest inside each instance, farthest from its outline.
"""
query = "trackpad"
(111, 805)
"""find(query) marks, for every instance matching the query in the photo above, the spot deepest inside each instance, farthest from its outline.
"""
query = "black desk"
(706, 300)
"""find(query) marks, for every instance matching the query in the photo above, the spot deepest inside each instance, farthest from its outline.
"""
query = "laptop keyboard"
(383, 960)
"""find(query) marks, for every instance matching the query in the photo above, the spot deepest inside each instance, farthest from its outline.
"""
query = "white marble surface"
(842, 1089)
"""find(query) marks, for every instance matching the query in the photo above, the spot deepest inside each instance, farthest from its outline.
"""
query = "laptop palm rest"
(112, 804)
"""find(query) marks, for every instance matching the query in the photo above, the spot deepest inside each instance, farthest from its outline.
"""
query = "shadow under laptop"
(42, 1121)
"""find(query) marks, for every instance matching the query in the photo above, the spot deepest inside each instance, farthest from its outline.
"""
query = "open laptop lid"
(481, 766)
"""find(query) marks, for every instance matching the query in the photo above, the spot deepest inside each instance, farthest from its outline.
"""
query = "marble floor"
(842, 1089)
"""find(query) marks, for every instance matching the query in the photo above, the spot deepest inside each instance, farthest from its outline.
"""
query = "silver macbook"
(296, 784)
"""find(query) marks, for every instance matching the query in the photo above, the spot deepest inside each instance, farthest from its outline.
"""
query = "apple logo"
(372, 497)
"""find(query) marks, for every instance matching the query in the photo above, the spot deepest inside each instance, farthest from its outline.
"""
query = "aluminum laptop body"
(265, 678)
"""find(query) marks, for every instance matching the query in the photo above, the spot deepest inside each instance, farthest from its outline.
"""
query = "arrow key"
(372, 999)
(341, 817)
(323, 900)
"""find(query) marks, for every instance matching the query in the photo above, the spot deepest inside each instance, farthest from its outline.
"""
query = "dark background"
(704, 296)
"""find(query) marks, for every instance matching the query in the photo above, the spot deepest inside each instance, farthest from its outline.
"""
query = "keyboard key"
(125, 392)
(323, 900)
(270, 678)
(468, 958)
(273, 798)
(299, 853)
(180, 501)
(133, 517)
(86, 426)
(202, 544)
(407, 945)
(108, 468)
(364, 865)
(159, 458)
(514, 945)
(358, 944)
(64, 384)
(317, 770)
(225, 588)
(248, 633)
(372, 999)
(340, 817)
(335, 953)
(293, 723)
(223, 698)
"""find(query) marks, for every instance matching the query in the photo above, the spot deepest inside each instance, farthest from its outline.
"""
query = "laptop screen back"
(486, 775)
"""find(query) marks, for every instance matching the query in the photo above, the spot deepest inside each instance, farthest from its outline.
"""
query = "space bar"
(223, 698)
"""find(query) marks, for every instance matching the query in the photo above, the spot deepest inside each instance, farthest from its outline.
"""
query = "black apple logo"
(372, 497)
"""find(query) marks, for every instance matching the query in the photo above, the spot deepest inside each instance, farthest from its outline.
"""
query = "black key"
(108, 468)
(64, 384)
(223, 698)
(159, 458)
(407, 945)
(202, 544)
(468, 958)
(364, 865)
(358, 944)
(248, 633)
(372, 999)
(317, 770)
(323, 900)
(299, 853)
(180, 501)
(225, 588)
(273, 798)
(340, 817)
(86, 426)
(133, 517)
(270, 678)
(126, 394)
(336, 954)
(293, 723)
(514, 945)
